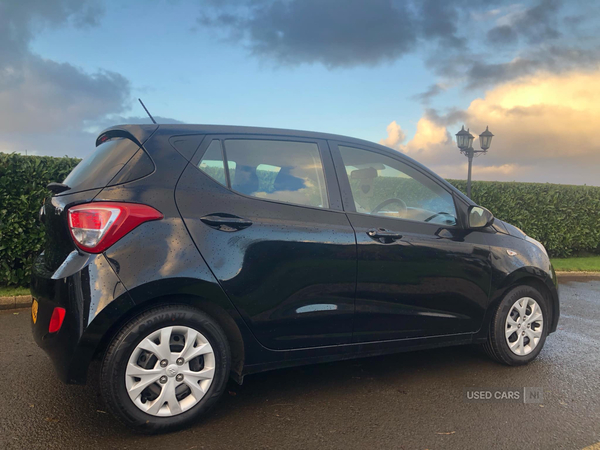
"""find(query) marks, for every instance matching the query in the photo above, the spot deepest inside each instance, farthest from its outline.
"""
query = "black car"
(183, 255)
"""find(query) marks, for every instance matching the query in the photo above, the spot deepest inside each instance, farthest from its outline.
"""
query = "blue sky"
(351, 67)
(187, 72)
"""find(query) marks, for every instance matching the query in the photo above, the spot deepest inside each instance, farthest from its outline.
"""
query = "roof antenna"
(146, 109)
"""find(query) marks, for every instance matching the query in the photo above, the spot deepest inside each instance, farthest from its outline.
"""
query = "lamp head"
(485, 139)
(464, 139)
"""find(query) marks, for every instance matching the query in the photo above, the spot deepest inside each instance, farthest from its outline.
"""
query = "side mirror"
(479, 217)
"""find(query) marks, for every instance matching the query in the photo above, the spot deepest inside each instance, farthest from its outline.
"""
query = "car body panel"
(434, 280)
(291, 274)
(529, 265)
(84, 290)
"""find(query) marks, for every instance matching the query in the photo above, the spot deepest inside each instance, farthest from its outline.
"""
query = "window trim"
(332, 189)
(348, 198)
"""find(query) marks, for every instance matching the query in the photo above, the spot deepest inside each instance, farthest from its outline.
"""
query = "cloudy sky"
(406, 73)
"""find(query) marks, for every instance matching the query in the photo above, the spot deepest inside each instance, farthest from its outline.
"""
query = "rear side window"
(284, 171)
(100, 167)
(212, 162)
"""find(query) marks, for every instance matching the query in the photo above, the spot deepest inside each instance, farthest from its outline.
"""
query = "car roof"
(143, 132)
(178, 129)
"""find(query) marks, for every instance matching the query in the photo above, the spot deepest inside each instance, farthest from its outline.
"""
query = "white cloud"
(395, 136)
(43, 101)
(549, 117)
(50, 96)
(511, 15)
(546, 128)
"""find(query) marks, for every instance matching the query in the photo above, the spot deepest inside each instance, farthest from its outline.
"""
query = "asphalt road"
(407, 401)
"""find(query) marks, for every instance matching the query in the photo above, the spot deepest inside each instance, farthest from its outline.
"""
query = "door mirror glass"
(479, 217)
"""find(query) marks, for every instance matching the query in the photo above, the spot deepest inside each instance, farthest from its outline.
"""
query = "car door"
(265, 213)
(420, 274)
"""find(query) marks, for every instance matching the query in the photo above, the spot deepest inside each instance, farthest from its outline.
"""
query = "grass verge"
(577, 264)
(10, 291)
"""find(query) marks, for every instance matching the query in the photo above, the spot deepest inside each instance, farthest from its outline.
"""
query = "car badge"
(511, 253)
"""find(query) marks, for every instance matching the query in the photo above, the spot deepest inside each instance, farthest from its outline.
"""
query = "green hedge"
(23, 181)
(566, 219)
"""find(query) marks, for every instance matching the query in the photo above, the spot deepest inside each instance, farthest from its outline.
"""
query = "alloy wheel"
(524, 326)
(170, 371)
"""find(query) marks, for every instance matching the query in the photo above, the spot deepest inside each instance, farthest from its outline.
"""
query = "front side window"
(284, 171)
(384, 186)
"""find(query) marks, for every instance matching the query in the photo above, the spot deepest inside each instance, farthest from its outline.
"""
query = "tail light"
(96, 226)
(56, 321)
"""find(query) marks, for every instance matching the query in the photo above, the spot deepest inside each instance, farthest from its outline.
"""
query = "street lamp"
(464, 141)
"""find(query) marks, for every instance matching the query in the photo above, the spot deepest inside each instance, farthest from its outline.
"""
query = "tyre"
(519, 327)
(165, 369)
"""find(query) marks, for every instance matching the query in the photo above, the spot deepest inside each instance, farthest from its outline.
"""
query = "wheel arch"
(541, 281)
(216, 312)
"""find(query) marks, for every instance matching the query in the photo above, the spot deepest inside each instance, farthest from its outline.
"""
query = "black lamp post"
(464, 141)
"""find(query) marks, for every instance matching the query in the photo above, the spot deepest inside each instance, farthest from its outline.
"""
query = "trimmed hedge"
(23, 181)
(566, 219)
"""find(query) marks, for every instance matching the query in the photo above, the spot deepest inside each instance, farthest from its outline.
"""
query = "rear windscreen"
(98, 168)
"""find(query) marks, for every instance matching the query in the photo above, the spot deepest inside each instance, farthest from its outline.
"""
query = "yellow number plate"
(34, 310)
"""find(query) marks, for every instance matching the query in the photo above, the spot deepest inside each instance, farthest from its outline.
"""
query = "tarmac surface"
(406, 401)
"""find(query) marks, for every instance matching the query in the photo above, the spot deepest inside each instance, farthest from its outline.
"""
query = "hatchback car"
(185, 255)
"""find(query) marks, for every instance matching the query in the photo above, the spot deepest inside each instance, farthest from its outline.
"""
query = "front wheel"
(165, 368)
(519, 327)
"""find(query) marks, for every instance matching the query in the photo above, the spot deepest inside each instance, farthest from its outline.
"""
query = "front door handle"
(384, 236)
(226, 222)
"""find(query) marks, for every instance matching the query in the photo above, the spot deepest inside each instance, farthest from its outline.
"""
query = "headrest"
(246, 180)
(285, 181)
(364, 174)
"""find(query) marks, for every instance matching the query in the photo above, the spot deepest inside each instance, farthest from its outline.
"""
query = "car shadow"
(398, 373)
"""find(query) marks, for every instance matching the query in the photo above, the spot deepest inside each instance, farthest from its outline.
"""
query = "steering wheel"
(430, 218)
(389, 201)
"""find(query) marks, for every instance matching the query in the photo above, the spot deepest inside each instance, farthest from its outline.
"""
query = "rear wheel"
(165, 368)
(519, 327)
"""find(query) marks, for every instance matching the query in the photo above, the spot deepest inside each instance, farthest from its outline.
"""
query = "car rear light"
(98, 225)
(56, 321)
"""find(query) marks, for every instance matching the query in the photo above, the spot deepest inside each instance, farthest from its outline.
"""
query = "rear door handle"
(384, 236)
(227, 222)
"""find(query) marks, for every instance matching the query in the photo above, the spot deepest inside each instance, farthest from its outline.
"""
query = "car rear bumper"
(83, 285)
